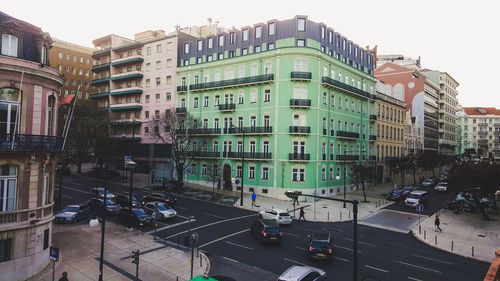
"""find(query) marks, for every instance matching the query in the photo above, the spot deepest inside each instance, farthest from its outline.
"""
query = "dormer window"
(9, 45)
(301, 25)
(43, 56)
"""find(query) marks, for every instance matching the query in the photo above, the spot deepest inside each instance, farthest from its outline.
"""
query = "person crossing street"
(436, 224)
(302, 214)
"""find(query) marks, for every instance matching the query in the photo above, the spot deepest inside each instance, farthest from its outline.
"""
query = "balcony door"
(9, 111)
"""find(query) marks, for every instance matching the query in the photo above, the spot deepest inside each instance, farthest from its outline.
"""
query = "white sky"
(435, 30)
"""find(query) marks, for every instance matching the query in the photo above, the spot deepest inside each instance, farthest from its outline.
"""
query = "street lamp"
(242, 130)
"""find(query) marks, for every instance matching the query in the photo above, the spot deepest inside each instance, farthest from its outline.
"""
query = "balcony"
(181, 89)
(181, 110)
(373, 138)
(19, 218)
(301, 76)
(227, 107)
(344, 87)
(128, 60)
(125, 106)
(265, 130)
(127, 76)
(299, 156)
(300, 103)
(199, 131)
(496, 149)
(24, 142)
(124, 122)
(259, 79)
(482, 133)
(128, 46)
(199, 154)
(100, 67)
(300, 130)
(342, 157)
(496, 140)
(101, 53)
(248, 155)
(497, 125)
(99, 95)
(497, 133)
(126, 91)
(482, 141)
(373, 117)
(482, 124)
(101, 81)
(346, 134)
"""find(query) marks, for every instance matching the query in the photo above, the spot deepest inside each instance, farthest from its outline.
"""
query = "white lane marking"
(222, 238)
(183, 217)
(376, 268)
(238, 245)
(291, 234)
(414, 279)
(293, 261)
(182, 208)
(67, 196)
(75, 183)
(345, 248)
(215, 216)
(417, 266)
(210, 224)
(431, 259)
(169, 226)
(340, 259)
(74, 189)
(364, 243)
(230, 259)
(300, 248)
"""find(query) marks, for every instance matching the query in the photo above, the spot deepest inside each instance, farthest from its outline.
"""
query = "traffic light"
(135, 256)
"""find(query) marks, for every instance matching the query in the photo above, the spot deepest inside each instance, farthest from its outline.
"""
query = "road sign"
(420, 208)
(54, 253)
(233, 180)
(237, 182)
(189, 170)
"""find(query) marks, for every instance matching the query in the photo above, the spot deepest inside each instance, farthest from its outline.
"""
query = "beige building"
(483, 130)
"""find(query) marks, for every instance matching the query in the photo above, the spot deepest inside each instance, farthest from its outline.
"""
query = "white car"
(442, 186)
(279, 215)
(164, 210)
(302, 273)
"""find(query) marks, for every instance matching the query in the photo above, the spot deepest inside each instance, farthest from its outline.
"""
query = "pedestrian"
(254, 196)
(302, 213)
(436, 223)
(64, 276)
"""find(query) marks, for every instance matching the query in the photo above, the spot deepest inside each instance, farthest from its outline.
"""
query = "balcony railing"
(199, 131)
(341, 86)
(497, 133)
(300, 103)
(248, 155)
(126, 91)
(300, 130)
(181, 110)
(100, 67)
(346, 134)
(100, 81)
(299, 156)
(119, 122)
(136, 74)
(300, 75)
(482, 141)
(128, 60)
(183, 88)
(373, 137)
(373, 117)
(259, 79)
(482, 124)
(342, 157)
(496, 125)
(483, 133)
(249, 130)
(19, 217)
(227, 107)
(24, 142)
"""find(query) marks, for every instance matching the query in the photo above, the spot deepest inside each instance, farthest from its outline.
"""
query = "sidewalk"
(80, 250)
(466, 231)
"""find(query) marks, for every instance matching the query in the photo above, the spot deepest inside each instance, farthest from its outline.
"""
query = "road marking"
(294, 261)
(183, 217)
(291, 234)
(210, 224)
(376, 268)
(238, 245)
(182, 208)
(414, 279)
(340, 259)
(222, 238)
(75, 183)
(216, 216)
(431, 259)
(74, 189)
(345, 248)
(169, 226)
(67, 196)
(231, 259)
(300, 248)
(364, 243)
(417, 266)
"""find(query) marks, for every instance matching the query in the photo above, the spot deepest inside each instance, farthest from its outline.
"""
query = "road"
(224, 234)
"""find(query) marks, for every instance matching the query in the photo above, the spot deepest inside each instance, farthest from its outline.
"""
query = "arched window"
(10, 100)
(8, 187)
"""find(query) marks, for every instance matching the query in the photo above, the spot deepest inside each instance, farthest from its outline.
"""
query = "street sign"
(128, 158)
(420, 208)
(237, 182)
(54, 253)
(189, 170)
(233, 180)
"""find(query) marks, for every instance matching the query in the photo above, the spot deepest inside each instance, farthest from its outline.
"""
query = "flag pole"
(18, 113)
(72, 111)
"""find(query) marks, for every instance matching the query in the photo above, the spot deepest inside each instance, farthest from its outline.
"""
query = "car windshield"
(414, 196)
(284, 214)
(139, 212)
(321, 245)
(162, 207)
(71, 209)
(272, 229)
(406, 188)
(397, 191)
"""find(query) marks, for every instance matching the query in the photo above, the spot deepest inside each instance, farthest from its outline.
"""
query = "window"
(258, 49)
(216, 100)
(43, 57)
(209, 58)
(245, 35)
(251, 172)
(231, 54)
(231, 38)
(300, 65)
(301, 24)
(193, 169)
(5, 249)
(169, 79)
(205, 101)
(253, 96)
(298, 175)
(267, 95)
(8, 187)
(244, 51)
(148, 82)
(270, 46)
(147, 99)
(200, 45)
(271, 28)
(301, 42)
(186, 48)
(195, 102)
(239, 171)
(203, 169)
(258, 31)
(325, 99)
(221, 40)
(169, 96)
(220, 56)
(210, 42)
(158, 64)
(265, 173)
(323, 174)
(157, 97)
(158, 81)
(241, 98)
(323, 32)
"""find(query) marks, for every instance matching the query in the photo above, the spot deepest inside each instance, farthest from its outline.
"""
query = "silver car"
(298, 273)
(73, 213)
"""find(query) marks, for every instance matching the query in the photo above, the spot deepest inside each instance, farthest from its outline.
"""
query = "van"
(417, 197)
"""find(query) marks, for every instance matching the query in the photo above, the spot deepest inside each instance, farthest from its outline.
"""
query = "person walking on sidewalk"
(302, 213)
(436, 223)
(254, 196)
(64, 276)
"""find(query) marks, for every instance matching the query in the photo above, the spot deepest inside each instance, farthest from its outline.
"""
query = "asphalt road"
(224, 234)
(435, 202)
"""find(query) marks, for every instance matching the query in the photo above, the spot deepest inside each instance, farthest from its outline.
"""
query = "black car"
(123, 201)
(321, 246)
(96, 205)
(165, 198)
(134, 217)
(267, 230)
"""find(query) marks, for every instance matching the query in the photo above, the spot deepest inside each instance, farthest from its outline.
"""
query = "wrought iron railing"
(300, 75)
(24, 142)
(347, 134)
(232, 82)
(300, 102)
(299, 156)
(337, 84)
(300, 130)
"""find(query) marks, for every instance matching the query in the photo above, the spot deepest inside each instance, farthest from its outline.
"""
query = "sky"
(449, 36)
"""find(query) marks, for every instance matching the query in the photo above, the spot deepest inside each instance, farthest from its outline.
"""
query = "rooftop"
(481, 111)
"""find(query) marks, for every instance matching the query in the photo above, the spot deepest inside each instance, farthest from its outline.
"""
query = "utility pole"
(103, 224)
(132, 155)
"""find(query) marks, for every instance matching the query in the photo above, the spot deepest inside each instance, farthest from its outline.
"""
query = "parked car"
(102, 173)
(427, 182)
(123, 200)
(168, 185)
(442, 186)
(73, 213)
(407, 190)
(321, 246)
(279, 215)
(417, 197)
(164, 211)
(395, 195)
(266, 230)
(166, 198)
(96, 206)
(98, 192)
(134, 217)
(302, 273)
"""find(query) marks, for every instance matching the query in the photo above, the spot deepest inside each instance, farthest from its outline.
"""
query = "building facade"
(462, 131)
(74, 62)
(281, 105)
(29, 148)
(483, 125)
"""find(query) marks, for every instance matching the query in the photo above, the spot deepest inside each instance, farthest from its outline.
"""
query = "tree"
(403, 165)
(362, 172)
(427, 160)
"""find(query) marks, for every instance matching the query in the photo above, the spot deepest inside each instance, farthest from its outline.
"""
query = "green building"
(294, 98)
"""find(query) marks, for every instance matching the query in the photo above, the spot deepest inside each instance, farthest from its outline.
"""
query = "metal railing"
(232, 82)
(227, 107)
(373, 137)
(180, 110)
(24, 142)
(199, 131)
(249, 130)
(346, 134)
(182, 88)
(300, 130)
(300, 75)
(342, 157)
(299, 156)
(373, 117)
(248, 155)
(339, 85)
(300, 102)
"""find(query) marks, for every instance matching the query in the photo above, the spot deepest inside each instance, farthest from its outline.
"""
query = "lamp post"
(95, 222)
(242, 130)
(132, 166)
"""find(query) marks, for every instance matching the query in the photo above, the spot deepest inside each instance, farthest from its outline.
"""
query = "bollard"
(424, 234)
(328, 215)
(435, 240)
(340, 214)
(420, 229)
(198, 252)
(177, 242)
(349, 214)
(201, 263)
(452, 245)
(472, 250)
